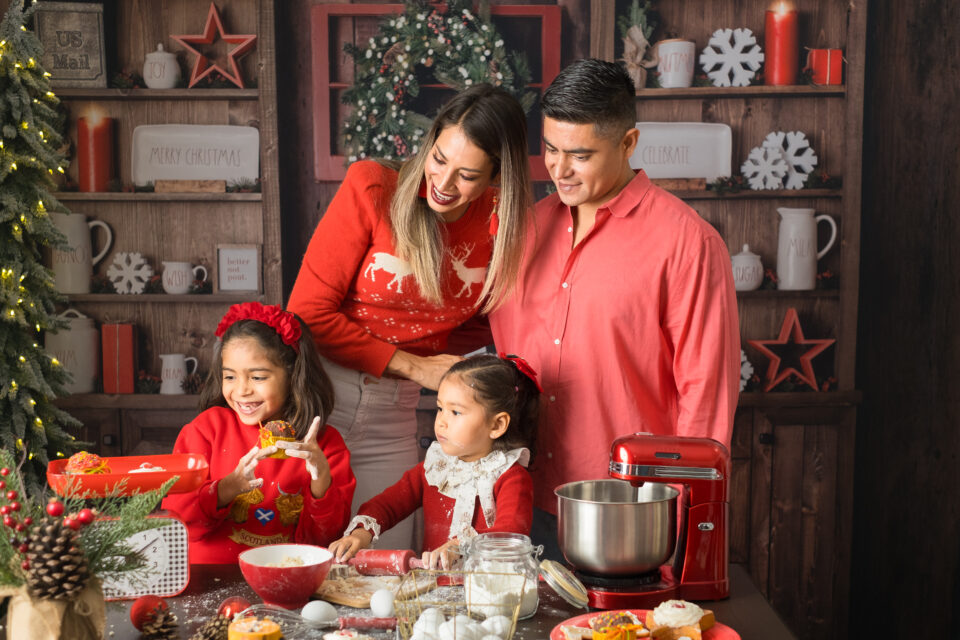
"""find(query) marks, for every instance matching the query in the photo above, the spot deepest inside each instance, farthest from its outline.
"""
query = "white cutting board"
(195, 152)
(683, 150)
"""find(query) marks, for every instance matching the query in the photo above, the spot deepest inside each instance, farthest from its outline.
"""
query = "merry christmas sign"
(195, 152)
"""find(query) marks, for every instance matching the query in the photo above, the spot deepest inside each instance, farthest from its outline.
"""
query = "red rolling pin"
(385, 562)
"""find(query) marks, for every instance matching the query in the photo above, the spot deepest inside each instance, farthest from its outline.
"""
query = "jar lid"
(747, 253)
(564, 583)
(160, 53)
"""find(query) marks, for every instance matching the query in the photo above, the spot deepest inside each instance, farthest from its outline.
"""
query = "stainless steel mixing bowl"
(610, 528)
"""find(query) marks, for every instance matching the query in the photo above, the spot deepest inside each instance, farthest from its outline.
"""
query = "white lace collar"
(466, 481)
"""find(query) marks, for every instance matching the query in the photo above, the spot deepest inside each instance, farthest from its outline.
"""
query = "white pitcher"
(178, 276)
(73, 267)
(174, 368)
(797, 253)
(77, 347)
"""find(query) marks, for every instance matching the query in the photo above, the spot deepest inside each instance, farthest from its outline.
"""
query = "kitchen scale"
(699, 570)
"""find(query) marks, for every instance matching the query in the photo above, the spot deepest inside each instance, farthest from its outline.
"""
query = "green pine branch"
(31, 137)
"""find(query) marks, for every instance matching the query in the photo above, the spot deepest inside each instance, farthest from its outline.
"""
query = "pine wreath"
(455, 47)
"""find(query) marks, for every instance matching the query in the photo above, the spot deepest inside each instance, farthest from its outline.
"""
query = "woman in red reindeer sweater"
(401, 259)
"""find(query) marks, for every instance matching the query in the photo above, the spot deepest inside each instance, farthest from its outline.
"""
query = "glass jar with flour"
(493, 559)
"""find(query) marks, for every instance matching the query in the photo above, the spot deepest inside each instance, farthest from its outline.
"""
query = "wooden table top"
(746, 611)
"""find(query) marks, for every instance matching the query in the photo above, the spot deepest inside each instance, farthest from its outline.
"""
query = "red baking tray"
(192, 468)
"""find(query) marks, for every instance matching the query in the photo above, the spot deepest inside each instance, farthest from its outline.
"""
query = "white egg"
(460, 628)
(491, 636)
(381, 603)
(497, 625)
(317, 612)
(429, 622)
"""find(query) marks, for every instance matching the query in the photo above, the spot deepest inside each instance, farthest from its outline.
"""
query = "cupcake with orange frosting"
(254, 629)
(84, 462)
(276, 431)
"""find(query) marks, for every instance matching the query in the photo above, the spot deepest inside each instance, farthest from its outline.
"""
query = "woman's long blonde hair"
(494, 121)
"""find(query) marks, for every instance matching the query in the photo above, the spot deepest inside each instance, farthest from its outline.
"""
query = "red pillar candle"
(94, 152)
(782, 49)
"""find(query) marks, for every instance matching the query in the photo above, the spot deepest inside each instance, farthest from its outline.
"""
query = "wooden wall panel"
(907, 509)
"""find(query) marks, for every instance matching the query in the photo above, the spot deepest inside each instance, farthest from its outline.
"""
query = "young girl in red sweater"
(265, 368)
(474, 477)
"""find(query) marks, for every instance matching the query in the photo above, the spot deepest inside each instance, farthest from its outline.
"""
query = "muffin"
(674, 619)
(84, 462)
(275, 431)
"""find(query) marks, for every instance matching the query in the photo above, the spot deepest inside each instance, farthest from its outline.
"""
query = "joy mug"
(178, 276)
(676, 62)
(174, 368)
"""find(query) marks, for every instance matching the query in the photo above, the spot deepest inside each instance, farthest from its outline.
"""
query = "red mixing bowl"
(273, 573)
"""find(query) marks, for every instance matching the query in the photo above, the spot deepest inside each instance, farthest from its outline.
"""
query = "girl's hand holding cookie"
(347, 546)
(314, 459)
(241, 479)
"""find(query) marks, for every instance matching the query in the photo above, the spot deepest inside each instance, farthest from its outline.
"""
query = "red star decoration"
(214, 27)
(790, 335)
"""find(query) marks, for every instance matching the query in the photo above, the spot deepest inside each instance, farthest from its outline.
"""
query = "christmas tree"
(30, 425)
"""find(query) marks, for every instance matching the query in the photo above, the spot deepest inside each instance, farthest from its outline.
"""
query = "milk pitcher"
(73, 266)
(77, 347)
(797, 253)
(174, 368)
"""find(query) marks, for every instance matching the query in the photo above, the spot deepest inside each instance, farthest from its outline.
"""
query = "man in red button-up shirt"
(625, 306)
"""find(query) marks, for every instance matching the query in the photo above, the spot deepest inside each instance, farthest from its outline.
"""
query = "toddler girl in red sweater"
(474, 477)
(264, 368)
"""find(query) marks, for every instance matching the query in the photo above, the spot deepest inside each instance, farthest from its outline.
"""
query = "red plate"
(192, 469)
(716, 632)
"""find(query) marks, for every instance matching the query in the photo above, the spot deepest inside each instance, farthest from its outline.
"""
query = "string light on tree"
(31, 125)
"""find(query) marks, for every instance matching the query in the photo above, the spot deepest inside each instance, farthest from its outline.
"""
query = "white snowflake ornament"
(746, 370)
(735, 51)
(764, 168)
(796, 152)
(129, 272)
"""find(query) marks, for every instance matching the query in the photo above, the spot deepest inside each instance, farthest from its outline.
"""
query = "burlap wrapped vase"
(82, 618)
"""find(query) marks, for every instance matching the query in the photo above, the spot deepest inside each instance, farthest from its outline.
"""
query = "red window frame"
(331, 167)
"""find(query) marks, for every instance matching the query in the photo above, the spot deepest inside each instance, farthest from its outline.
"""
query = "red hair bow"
(523, 367)
(283, 322)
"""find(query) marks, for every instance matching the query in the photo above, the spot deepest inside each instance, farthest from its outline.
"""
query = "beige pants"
(377, 419)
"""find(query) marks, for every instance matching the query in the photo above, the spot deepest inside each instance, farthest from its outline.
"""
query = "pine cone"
(163, 626)
(58, 569)
(213, 629)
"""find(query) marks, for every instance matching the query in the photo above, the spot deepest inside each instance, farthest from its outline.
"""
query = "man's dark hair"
(596, 92)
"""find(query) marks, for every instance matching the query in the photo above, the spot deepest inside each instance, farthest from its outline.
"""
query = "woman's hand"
(347, 546)
(313, 458)
(241, 479)
(424, 370)
(443, 557)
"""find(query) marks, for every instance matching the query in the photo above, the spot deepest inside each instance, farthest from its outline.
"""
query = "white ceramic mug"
(77, 347)
(178, 276)
(676, 62)
(73, 266)
(174, 368)
(797, 253)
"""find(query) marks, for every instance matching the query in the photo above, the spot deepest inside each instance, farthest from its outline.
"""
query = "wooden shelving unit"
(175, 226)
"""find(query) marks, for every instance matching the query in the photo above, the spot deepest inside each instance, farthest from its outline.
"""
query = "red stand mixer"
(699, 570)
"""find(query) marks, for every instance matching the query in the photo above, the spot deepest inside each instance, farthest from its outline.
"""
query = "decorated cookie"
(275, 431)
